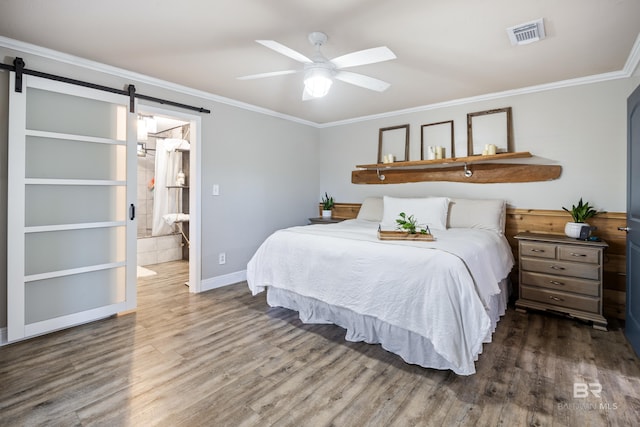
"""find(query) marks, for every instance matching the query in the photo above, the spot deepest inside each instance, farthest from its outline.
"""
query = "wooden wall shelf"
(482, 168)
(438, 162)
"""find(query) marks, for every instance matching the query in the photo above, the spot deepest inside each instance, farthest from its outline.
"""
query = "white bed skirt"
(412, 347)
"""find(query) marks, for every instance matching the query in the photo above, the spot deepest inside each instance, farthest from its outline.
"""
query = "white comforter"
(439, 290)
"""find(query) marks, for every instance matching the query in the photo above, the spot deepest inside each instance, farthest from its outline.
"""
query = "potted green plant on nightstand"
(579, 213)
(327, 205)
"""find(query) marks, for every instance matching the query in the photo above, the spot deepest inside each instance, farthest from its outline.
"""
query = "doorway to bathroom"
(167, 197)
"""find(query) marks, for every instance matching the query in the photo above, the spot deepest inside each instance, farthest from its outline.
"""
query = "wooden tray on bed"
(403, 235)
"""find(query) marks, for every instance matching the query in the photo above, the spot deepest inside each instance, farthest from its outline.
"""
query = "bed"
(432, 303)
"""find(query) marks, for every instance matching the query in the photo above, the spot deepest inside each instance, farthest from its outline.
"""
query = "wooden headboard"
(552, 222)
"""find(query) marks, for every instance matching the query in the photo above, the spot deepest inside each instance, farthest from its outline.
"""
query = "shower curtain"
(165, 200)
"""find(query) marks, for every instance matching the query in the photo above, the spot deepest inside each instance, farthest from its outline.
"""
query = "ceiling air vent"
(526, 33)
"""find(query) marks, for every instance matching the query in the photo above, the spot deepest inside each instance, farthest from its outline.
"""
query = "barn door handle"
(132, 212)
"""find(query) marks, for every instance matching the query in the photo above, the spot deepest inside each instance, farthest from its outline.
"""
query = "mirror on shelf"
(490, 127)
(434, 135)
(393, 141)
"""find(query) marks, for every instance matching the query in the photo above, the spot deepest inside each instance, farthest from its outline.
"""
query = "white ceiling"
(446, 49)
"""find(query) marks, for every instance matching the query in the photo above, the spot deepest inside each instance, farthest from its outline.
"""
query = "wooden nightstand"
(321, 220)
(562, 275)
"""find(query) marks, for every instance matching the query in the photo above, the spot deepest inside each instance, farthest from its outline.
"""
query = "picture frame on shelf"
(394, 141)
(490, 127)
(439, 134)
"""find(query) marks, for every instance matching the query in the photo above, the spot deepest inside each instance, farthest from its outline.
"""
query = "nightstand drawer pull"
(554, 282)
(575, 254)
(537, 250)
(556, 267)
(555, 298)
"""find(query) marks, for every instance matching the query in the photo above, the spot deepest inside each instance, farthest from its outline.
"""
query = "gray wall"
(582, 128)
(268, 175)
(266, 167)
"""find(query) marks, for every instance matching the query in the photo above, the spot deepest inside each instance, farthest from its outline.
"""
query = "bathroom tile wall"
(155, 250)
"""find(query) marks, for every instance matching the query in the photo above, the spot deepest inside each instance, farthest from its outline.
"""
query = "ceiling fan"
(319, 71)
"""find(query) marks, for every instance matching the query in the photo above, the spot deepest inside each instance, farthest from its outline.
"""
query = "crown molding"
(630, 69)
(142, 78)
(631, 66)
(486, 97)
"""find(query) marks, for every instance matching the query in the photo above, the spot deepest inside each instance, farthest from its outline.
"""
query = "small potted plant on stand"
(327, 205)
(579, 214)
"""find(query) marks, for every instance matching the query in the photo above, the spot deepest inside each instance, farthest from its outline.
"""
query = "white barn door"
(71, 255)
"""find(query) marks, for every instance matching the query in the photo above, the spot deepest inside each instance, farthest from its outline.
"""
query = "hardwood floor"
(225, 358)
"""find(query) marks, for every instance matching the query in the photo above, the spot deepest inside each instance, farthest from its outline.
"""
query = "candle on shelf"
(492, 149)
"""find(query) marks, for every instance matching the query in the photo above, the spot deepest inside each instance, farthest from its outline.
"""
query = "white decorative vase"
(326, 213)
(572, 229)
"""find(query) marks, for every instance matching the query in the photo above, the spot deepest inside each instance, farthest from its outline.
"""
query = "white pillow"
(371, 209)
(431, 211)
(475, 213)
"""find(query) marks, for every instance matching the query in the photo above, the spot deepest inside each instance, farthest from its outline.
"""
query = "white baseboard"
(224, 280)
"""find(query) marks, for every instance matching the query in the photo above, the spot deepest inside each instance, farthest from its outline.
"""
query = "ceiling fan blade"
(271, 74)
(280, 48)
(362, 81)
(363, 57)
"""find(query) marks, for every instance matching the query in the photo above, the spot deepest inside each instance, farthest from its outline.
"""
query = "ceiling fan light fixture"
(317, 82)
(319, 72)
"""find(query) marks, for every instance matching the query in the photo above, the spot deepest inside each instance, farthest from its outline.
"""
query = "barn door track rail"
(19, 68)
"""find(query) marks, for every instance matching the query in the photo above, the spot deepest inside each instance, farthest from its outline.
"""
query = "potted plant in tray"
(327, 205)
(410, 224)
(579, 213)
